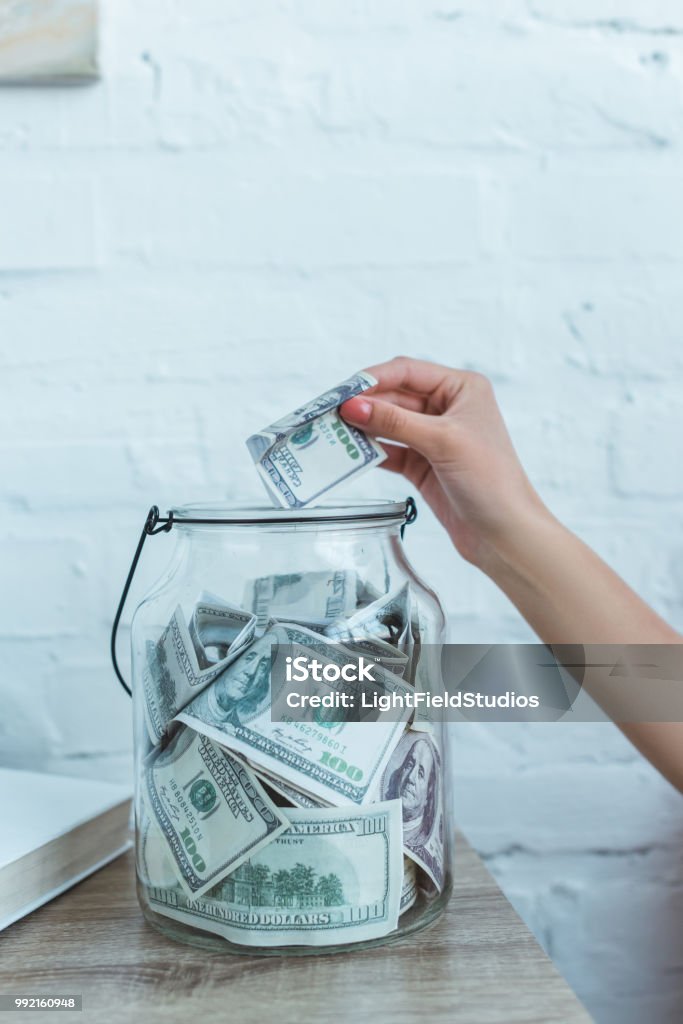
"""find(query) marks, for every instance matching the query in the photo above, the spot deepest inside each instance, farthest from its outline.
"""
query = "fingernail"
(357, 410)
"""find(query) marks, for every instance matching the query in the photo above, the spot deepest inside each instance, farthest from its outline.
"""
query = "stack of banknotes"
(269, 831)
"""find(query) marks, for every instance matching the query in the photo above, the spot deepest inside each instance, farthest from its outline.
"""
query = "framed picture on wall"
(48, 41)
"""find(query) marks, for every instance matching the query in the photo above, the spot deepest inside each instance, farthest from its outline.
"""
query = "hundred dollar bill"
(335, 876)
(379, 651)
(180, 665)
(218, 629)
(154, 861)
(416, 641)
(329, 754)
(296, 797)
(387, 619)
(280, 788)
(426, 672)
(367, 641)
(409, 887)
(372, 648)
(311, 450)
(317, 597)
(413, 775)
(211, 811)
(366, 593)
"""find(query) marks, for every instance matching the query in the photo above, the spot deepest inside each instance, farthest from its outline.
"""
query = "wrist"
(510, 552)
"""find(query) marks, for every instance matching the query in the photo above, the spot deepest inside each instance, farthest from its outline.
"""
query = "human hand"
(457, 451)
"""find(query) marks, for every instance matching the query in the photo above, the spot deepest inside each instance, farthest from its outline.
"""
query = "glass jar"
(311, 869)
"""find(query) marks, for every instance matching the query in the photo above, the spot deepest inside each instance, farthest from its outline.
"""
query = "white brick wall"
(259, 198)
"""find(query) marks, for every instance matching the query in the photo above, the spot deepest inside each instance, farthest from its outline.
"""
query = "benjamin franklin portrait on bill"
(413, 776)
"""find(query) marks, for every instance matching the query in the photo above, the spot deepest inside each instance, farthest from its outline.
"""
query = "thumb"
(384, 419)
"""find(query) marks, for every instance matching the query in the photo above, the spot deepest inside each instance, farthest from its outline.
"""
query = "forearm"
(570, 596)
(565, 591)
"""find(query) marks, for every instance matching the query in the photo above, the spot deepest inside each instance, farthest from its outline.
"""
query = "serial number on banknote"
(315, 733)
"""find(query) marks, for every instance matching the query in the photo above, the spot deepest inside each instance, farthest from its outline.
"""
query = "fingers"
(396, 458)
(415, 403)
(384, 419)
(412, 466)
(416, 375)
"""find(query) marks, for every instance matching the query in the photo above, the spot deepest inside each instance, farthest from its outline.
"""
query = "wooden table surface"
(478, 964)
